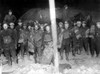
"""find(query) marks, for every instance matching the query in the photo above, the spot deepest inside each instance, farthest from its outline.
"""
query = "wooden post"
(54, 32)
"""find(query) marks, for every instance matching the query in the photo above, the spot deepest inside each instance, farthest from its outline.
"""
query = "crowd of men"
(31, 38)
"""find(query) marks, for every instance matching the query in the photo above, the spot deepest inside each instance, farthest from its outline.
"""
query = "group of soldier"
(78, 37)
(33, 38)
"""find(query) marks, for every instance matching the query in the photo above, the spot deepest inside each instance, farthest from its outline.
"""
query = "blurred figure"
(85, 32)
(38, 41)
(48, 52)
(76, 39)
(92, 39)
(11, 25)
(97, 39)
(23, 40)
(66, 40)
(60, 31)
(8, 43)
(9, 18)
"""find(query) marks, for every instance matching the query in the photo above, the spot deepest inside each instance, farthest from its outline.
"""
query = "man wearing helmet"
(8, 43)
(76, 39)
(66, 40)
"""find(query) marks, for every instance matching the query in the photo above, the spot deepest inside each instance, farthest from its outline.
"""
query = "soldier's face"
(20, 24)
(78, 23)
(24, 27)
(29, 27)
(12, 26)
(92, 27)
(98, 25)
(48, 29)
(5, 26)
(10, 13)
(66, 25)
(60, 24)
(83, 24)
(36, 27)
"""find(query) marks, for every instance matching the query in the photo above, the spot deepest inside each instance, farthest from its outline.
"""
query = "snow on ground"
(81, 64)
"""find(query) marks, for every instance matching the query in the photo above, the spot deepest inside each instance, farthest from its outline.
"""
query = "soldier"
(8, 43)
(18, 29)
(38, 41)
(66, 40)
(1, 50)
(31, 44)
(9, 18)
(76, 39)
(91, 37)
(48, 53)
(60, 38)
(97, 39)
(14, 31)
(85, 31)
(23, 40)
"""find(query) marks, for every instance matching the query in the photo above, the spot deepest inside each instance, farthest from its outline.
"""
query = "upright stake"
(54, 32)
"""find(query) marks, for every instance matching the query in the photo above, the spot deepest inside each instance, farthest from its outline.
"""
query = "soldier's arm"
(5, 19)
(15, 36)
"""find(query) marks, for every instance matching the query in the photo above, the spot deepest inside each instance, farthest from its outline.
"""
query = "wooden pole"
(54, 32)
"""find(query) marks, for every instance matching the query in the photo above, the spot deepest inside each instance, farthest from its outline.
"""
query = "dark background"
(19, 7)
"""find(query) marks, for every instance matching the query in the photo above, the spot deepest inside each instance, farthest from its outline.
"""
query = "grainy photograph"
(49, 37)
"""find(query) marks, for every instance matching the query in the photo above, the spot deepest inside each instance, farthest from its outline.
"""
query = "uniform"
(66, 43)
(38, 42)
(85, 43)
(76, 40)
(92, 40)
(97, 42)
(24, 36)
(59, 43)
(8, 39)
(48, 52)
(9, 18)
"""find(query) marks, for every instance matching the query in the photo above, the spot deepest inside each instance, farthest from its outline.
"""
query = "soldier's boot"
(9, 61)
(97, 53)
(73, 52)
(15, 61)
(61, 55)
(67, 54)
(92, 53)
(79, 51)
(22, 54)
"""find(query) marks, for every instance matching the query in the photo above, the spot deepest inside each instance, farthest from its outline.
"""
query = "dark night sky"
(21, 6)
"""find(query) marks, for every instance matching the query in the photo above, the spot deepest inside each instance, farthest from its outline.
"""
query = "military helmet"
(11, 23)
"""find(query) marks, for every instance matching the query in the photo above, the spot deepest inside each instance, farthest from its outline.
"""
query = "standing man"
(66, 40)
(8, 43)
(85, 32)
(97, 39)
(23, 40)
(92, 34)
